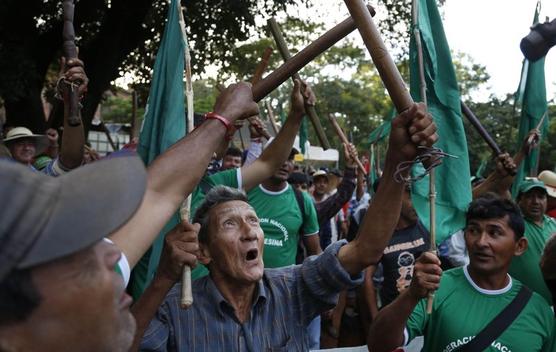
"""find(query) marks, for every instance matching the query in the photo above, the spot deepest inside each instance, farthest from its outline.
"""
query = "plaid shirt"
(286, 301)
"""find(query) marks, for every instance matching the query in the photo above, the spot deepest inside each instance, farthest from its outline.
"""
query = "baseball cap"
(319, 173)
(530, 183)
(45, 218)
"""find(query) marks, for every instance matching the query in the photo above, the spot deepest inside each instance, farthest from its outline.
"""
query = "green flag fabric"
(481, 169)
(453, 189)
(531, 94)
(383, 130)
(164, 125)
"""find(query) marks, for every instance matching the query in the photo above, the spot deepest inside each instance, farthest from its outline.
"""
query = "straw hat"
(18, 133)
(549, 179)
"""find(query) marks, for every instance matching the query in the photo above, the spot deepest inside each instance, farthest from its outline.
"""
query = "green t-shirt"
(280, 219)
(461, 310)
(230, 178)
(526, 267)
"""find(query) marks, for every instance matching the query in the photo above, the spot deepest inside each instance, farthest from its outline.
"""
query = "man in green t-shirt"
(532, 199)
(467, 299)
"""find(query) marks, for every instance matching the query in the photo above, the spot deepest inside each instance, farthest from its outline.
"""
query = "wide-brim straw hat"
(18, 133)
(549, 179)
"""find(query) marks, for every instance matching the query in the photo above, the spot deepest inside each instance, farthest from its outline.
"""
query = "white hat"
(549, 179)
(41, 141)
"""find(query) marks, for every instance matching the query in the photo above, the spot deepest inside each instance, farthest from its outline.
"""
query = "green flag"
(482, 167)
(164, 125)
(453, 189)
(531, 94)
(383, 130)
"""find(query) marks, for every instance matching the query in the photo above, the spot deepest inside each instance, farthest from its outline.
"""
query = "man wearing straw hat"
(25, 146)
(549, 179)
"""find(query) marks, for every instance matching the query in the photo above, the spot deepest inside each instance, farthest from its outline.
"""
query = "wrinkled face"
(321, 185)
(84, 301)
(284, 171)
(533, 204)
(23, 150)
(492, 244)
(231, 162)
(235, 244)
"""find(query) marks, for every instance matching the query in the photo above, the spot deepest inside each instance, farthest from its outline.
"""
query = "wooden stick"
(302, 58)
(480, 128)
(286, 55)
(271, 117)
(385, 65)
(344, 140)
(186, 298)
(70, 52)
(134, 122)
(262, 66)
(432, 184)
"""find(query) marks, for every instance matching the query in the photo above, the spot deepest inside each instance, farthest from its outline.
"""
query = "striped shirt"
(286, 301)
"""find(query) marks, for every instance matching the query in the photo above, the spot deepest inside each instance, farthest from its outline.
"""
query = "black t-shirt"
(399, 259)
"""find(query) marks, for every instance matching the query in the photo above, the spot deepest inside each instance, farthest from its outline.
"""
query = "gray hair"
(217, 195)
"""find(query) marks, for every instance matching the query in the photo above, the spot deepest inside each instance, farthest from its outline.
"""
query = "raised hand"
(181, 248)
(235, 102)
(412, 128)
(426, 275)
(350, 152)
(302, 95)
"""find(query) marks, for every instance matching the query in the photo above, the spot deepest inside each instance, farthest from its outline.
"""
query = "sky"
(488, 30)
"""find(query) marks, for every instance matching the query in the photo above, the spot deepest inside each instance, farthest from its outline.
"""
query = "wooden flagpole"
(186, 299)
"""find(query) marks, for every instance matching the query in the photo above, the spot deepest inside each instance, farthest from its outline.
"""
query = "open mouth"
(252, 254)
(482, 256)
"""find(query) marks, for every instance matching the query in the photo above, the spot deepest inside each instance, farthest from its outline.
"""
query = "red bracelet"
(229, 127)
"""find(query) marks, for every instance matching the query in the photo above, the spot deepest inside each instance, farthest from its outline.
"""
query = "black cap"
(45, 218)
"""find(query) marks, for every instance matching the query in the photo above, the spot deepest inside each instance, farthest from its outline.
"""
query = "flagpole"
(432, 184)
(186, 294)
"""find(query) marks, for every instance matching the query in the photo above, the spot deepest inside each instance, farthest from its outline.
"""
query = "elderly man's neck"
(239, 295)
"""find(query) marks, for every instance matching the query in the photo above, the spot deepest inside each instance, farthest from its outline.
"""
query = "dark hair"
(217, 195)
(298, 178)
(233, 151)
(491, 206)
(18, 297)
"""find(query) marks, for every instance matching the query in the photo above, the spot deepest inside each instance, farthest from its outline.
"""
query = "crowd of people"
(285, 257)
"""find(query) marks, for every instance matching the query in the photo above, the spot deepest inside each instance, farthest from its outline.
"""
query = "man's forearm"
(312, 244)
(145, 308)
(171, 177)
(330, 207)
(73, 142)
(377, 225)
(386, 333)
(274, 155)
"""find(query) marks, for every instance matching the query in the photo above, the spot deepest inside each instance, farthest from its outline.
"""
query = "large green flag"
(453, 189)
(164, 125)
(531, 94)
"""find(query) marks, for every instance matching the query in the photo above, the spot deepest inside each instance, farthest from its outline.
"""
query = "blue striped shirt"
(285, 302)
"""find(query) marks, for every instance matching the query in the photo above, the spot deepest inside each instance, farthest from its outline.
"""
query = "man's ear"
(521, 246)
(204, 254)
